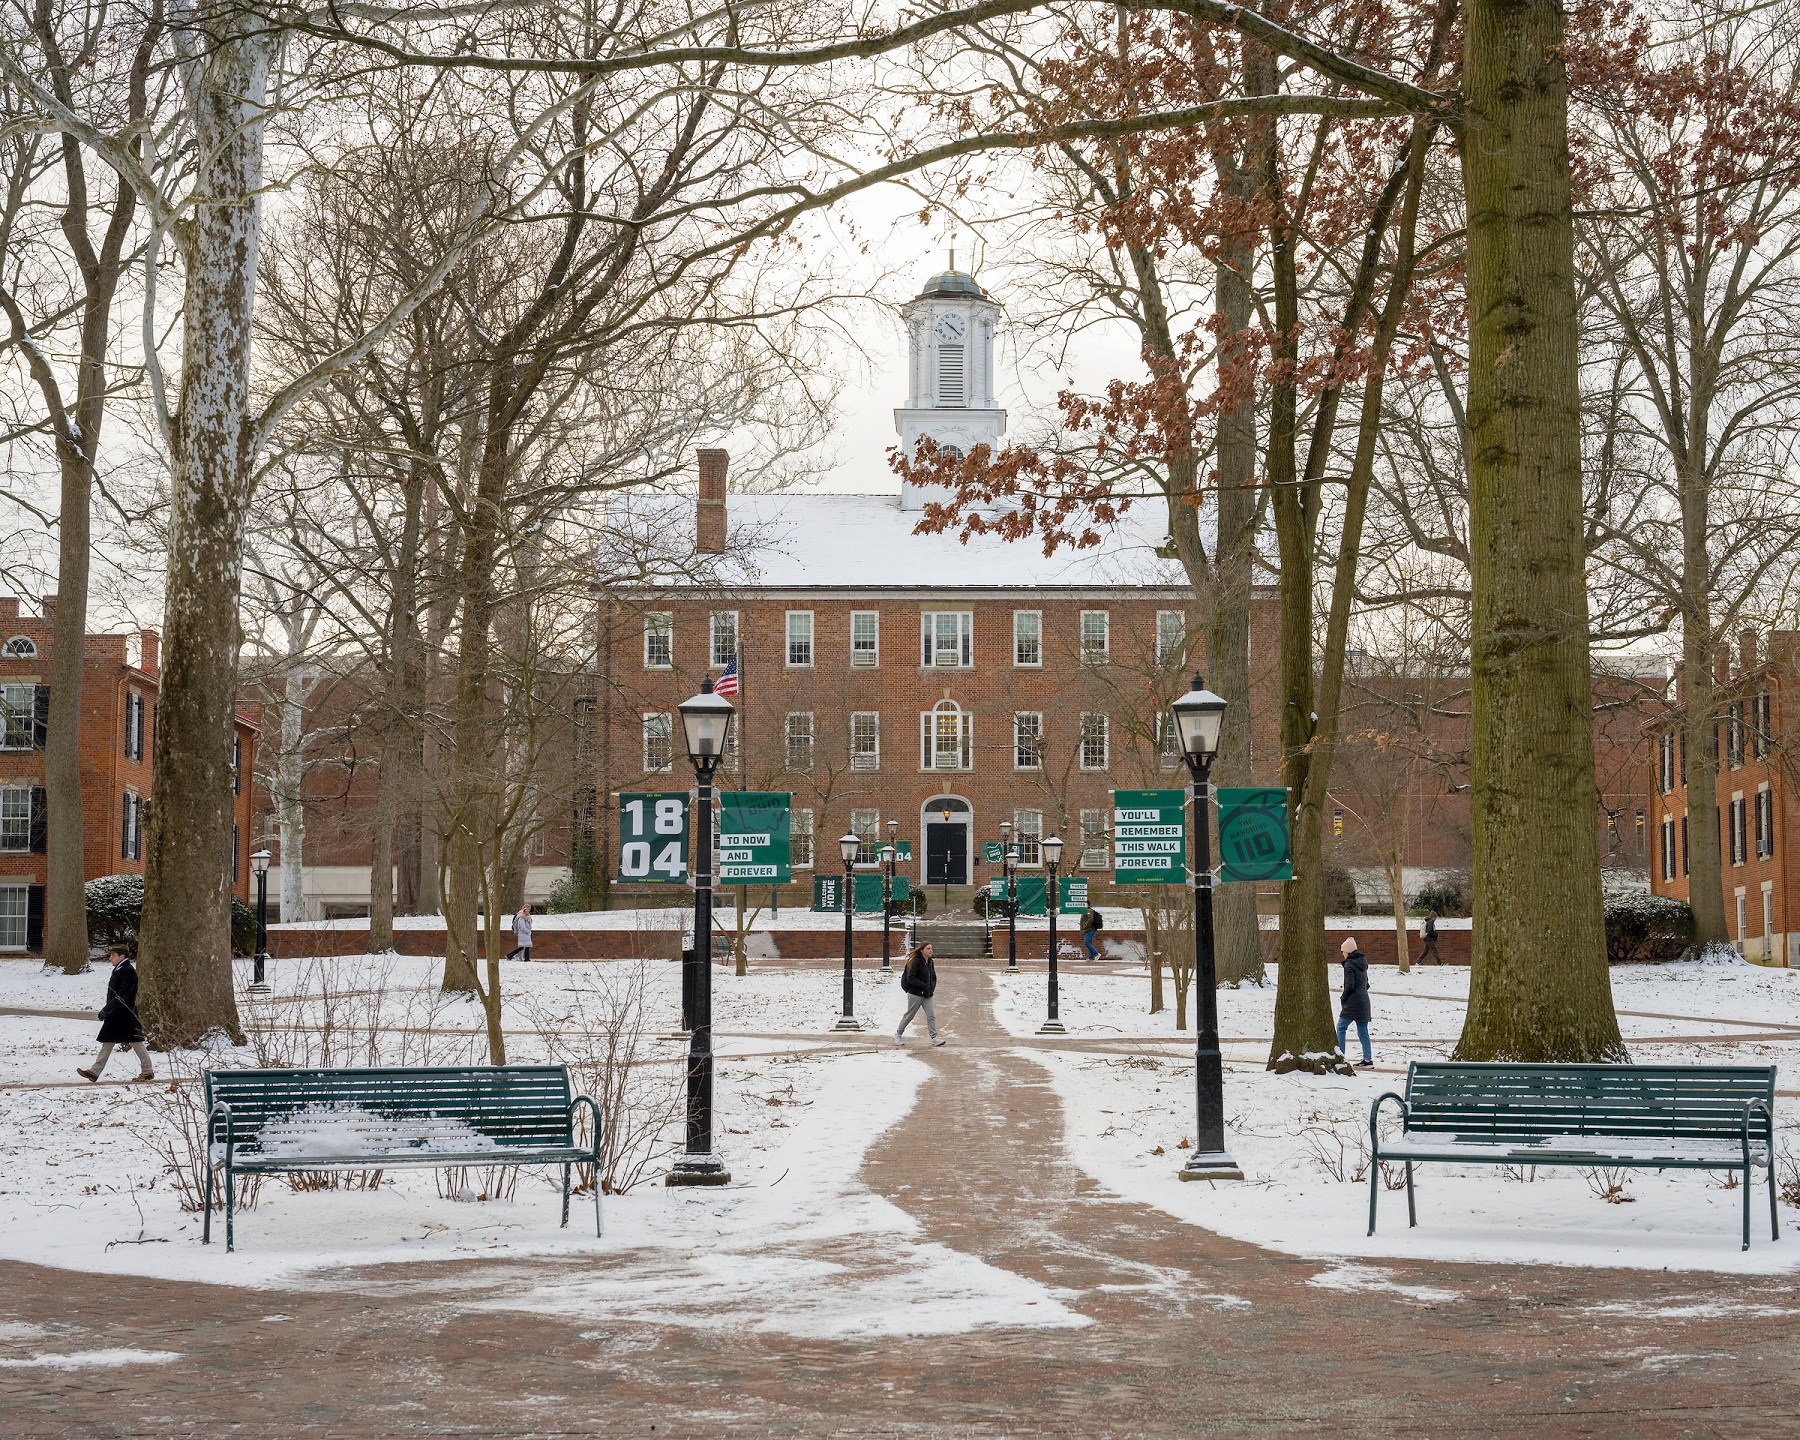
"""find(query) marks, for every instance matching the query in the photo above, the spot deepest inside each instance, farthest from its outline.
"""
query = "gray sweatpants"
(914, 1004)
(135, 1046)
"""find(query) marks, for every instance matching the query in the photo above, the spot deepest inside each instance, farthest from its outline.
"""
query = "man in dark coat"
(119, 1021)
(1091, 925)
(1429, 950)
(1355, 1004)
(918, 979)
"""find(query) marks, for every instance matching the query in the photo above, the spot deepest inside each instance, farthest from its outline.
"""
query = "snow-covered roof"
(809, 540)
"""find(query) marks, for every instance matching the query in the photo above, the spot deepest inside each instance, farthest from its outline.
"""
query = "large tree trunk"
(1706, 883)
(290, 775)
(65, 894)
(1539, 990)
(185, 938)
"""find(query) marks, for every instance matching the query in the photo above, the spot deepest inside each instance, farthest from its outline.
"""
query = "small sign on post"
(991, 852)
(1254, 843)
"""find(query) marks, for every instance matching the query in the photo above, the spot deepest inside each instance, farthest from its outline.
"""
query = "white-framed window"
(1171, 637)
(18, 716)
(1765, 823)
(1759, 724)
(1096, 636)
(131, 827)
(1028, 740)
(659, 640)
(865, 825)
(800, 840)
(728, 762)
(1096, 735)
(1096, 842)
(1734, 734)
(1668, 847)
(1028, 638)
(659, 742)
(946, 737)
(947, 639)
(1028, 831)
(1666, 763)
(20, 647)
(865, 638)
(798, 734)
(724, 641)
(15, 910)
(1168, 742)
(1735, 819)
(15, 819)
(134, 728)
(865, 740)
(799, 638)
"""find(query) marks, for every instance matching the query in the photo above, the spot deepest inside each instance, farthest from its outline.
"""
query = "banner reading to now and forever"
(1149, 837)
(754, 838)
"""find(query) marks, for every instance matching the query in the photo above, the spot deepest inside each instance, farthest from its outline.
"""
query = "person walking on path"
(522, 934)
(1091, 926)
(918, 978)
(119, 1021)
(1429, 950)
(1355, 1004)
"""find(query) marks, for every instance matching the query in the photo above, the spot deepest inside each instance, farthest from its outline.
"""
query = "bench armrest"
(231, 1140)
(587, 1100)
(1375, 1116)
(1768, 1113)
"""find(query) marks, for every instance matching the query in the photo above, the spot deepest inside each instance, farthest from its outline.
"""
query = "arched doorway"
(947, 824)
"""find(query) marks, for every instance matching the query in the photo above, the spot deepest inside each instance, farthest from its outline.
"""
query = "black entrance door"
(946, 854)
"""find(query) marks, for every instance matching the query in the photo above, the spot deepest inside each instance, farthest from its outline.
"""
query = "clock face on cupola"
(950, 327)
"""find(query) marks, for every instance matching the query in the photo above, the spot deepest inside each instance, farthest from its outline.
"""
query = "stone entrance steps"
(951, 941)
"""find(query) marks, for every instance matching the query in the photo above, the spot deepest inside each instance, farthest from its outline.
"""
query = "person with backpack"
(918, 978)
(522, 934)
(1091, 926)
(1429, 949)
(1355, 1003)
(119, 1022)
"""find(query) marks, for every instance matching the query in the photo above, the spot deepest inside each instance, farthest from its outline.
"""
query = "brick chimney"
(1747, 651)
(709, 516)
(1721, 664)
(47, 606)
(149, 651)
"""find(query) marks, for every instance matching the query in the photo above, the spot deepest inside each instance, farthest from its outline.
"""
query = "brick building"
(118, 716)
(1758, 808)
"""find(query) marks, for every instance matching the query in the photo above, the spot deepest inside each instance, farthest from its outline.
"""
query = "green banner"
(1032, 889)
(753, 838)
(653, 839)
(903, 849)
(1149, 837)
(828, 893)
(1253, 835)
(992, 852)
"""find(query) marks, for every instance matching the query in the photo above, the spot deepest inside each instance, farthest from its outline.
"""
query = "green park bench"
(1649, 1117)
(261, 1122)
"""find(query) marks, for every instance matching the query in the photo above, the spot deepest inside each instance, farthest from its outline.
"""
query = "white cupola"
(950, 331)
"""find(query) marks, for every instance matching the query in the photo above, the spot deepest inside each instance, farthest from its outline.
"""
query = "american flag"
(727, 684)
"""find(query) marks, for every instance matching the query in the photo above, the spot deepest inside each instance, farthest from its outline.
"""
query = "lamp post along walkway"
(887, 905)
(848, 845)
(1009, 868)
(1198, 716)
(706, 726)
(259, 862)
(1052, 848)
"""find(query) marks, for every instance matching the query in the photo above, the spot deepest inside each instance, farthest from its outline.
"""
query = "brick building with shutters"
(119, 687)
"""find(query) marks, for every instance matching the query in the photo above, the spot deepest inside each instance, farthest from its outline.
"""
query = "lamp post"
(1198, 716)
(946, 863)
(887, 903)
(259, 862)
(1009, 868)
(1052, 848)
(706, 727)
(848, 845)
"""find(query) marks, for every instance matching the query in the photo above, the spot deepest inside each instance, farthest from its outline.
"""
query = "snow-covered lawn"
(1303, 1141)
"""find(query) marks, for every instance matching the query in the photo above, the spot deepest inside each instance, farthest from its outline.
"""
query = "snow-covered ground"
(1303, 1142)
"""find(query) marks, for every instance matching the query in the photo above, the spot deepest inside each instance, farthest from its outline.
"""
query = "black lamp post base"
(1216, 1166)
(847, 1022)
(698, 1170)
(1011, 969)
(1052, 1027)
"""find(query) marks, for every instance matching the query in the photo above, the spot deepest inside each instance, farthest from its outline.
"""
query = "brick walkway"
(1173, 1350)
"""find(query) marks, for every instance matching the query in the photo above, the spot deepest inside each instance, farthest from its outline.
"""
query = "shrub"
(115, 903)
(583, 888)
(1647, 928)
(1442, 897)
(1340, 890)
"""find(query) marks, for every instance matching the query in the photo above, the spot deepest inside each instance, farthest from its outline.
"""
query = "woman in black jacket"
(119, 1021)
(1355, 1004)
(918, 978)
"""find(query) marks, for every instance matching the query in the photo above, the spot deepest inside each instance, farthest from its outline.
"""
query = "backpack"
(1096, 921)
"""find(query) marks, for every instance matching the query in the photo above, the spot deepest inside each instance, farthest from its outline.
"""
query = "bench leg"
(230, 1209)
(599, 1230)
(206, 1208)
(1746, 1244)
(565, 1219)
(1374, 1190)
(1412, 1211)
(1774, 1221)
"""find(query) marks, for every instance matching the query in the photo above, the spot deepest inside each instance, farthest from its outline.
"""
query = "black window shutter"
(34, 917)
(39, 807)
(132, 734)
(40, 717)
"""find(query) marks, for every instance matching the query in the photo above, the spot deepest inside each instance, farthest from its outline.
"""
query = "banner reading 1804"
(754, 839)
(653, 839)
